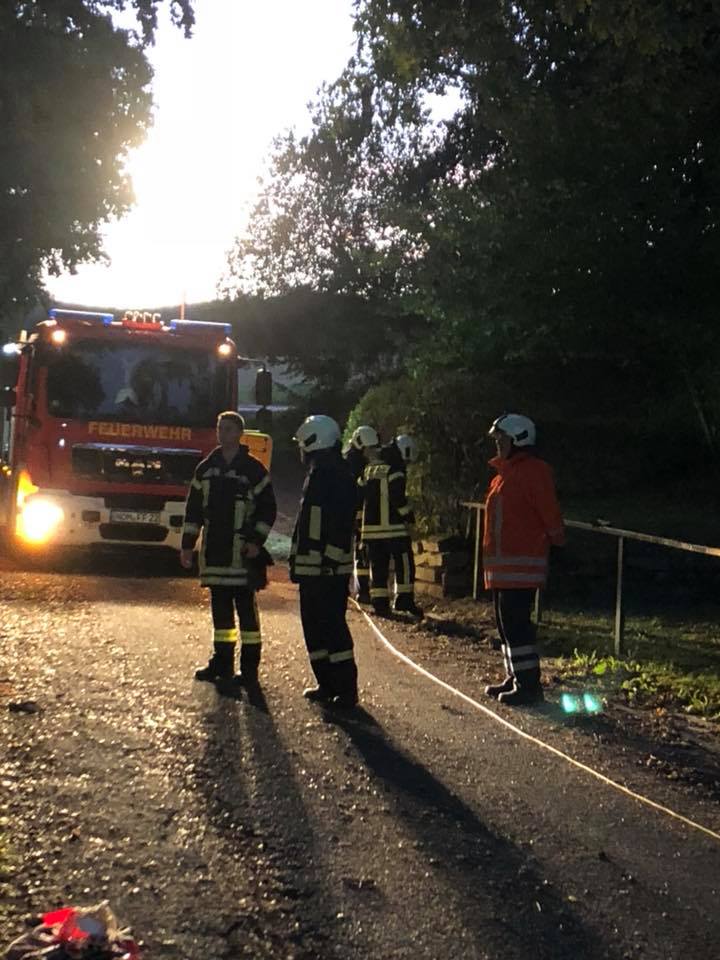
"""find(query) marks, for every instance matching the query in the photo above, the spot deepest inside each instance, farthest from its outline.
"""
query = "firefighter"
(522, 521)
(386, 519)
(363, 439)
(321, 561)
(231, 500)
(400, 452)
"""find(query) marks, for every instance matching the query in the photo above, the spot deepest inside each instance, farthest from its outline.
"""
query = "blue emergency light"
(200, 325)
(57, 314)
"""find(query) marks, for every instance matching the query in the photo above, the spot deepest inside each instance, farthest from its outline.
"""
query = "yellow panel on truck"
(259, 446)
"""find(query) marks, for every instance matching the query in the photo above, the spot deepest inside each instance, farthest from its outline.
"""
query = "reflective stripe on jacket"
(385, 511)
(522, 520)
(233, 504)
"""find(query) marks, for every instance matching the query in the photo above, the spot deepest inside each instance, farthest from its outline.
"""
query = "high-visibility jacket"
(385, 510)
(522, 520)
(233, 504)
(322, 541)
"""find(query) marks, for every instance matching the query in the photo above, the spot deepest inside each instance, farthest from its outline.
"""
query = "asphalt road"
(263, 827)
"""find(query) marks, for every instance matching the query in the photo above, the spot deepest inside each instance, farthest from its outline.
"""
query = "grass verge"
(669, 663)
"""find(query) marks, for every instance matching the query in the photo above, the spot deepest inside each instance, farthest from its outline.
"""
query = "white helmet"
(520, 429)
(317, 433)
(408, 448)
(364, 437)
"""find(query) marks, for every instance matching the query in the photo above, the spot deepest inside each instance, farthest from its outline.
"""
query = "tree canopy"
(558, 233)
(74, 98)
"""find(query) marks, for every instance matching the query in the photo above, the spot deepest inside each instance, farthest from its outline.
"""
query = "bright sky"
(247, 74)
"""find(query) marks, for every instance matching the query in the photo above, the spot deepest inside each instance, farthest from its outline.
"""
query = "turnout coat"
(522, 520)
(232, 504)
(322, 541)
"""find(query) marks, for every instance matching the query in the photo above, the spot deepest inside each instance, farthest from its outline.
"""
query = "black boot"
(406, 604)
(249, 663)
(495, 689)
(381, 608)
(363, 584)
(346, 700)
(319, 694)
(221, 665)
(522, 696)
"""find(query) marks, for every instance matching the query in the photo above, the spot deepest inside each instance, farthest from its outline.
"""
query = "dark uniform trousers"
(223, 603)
(362, 569)
(382, 552)
(323, 605)
(517, 635)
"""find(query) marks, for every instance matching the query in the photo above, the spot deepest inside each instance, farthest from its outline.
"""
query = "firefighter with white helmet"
(386, 519)
(321, 561)
(407, 447)
(363, 439)
(522, 521)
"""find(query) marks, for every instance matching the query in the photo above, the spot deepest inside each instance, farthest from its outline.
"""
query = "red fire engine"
(105, 424)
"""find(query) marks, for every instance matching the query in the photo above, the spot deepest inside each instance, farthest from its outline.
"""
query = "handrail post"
(476, 568)
(538, 606)
(619, 611)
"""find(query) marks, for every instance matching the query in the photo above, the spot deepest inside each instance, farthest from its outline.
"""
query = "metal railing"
(618, 532)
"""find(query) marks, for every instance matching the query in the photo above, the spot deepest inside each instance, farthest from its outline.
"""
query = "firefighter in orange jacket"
(522, 521)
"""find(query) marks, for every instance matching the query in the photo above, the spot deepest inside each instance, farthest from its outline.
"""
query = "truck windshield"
(137, 383)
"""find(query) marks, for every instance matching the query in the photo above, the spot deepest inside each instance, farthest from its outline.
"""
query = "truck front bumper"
(56, 518)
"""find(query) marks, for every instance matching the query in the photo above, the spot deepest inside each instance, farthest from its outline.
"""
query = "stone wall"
(443, 566)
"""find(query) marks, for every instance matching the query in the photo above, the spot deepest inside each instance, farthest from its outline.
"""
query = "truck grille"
(131, 464)
(142, 532)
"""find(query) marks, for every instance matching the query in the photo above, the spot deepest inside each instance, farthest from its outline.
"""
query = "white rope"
(535, 740)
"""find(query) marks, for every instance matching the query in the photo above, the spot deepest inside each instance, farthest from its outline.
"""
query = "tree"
(566, 216)
(74, 98)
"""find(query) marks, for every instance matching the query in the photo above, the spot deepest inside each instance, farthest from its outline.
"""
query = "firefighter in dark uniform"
(231, 500)
(363, 439)
(321, 561)
(386, 519)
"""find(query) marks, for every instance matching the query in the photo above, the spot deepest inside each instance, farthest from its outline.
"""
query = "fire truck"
(103, 423)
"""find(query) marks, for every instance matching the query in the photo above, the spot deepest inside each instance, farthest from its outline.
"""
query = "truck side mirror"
(263, 388)
(8, 398)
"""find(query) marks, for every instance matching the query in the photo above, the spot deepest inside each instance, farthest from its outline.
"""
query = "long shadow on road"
(505, 903)
(253, 800)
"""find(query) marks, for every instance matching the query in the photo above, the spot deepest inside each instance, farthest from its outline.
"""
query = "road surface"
(264, 827)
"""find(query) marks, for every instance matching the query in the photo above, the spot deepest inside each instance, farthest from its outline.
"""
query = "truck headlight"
(39, 520)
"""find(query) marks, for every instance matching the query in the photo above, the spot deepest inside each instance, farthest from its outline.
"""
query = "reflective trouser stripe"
(249, 617)
(524, 658)
(318, 655)
(404, 588)
(379, 592)
(506, 658)
(341, 657)
(225, 636)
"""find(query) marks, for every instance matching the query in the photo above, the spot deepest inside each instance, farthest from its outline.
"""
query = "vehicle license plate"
(134, 516)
